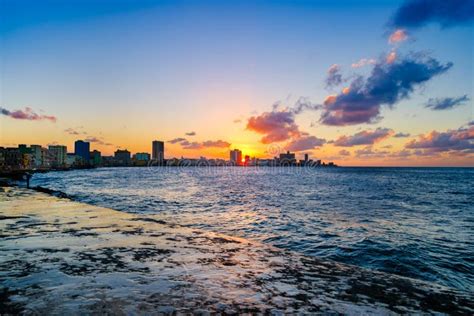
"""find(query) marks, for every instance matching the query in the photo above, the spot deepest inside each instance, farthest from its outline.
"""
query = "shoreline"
(61, 256)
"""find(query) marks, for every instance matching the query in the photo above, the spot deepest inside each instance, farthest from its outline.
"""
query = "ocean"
(413, 222)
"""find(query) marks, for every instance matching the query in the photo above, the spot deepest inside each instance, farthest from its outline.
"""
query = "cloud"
(418, 13)
(387, 84)
(391, 57)
(97, 140)
(460, 140)
(71, 131)
(27, 114)
(305, 143)
(401, 135)
(471, 123)
(275, 126)
(216, 143)
(303, 104)
(334, 77)
(364, 62)
(191, 134)
(368, 152)
(344, 152)
(185, 144)
(397, 36)
(446, 103)
(237, 121)
(206, 144)
(177, 140)
(364, 138)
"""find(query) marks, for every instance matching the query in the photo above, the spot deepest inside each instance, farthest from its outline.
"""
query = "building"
(122, 157)
(57, 155)
(38, 156)
(236, 157)
(73, 160)
(158, 151)
(287, 159)
(82, 149)
(141, 157)
(96, 158)
(12, 158)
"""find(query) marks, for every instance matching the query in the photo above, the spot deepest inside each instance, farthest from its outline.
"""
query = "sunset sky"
(355, 82)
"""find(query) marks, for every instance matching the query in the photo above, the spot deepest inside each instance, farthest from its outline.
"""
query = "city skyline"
(388, 90)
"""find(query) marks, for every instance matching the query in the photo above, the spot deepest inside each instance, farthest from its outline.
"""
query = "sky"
(355, 82)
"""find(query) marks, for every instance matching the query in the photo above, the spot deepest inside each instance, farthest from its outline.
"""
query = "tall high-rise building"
(158, 151)
(236, 156)
(82, 149)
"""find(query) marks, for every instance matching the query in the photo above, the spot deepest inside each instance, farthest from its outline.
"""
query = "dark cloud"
(446, 103)
(334, 77)
(401, 135)
(364, 138)
(344, 152)
(391, 80)
(305, 142)
(191, 134)
(177, 140)
(471, 123)
(27, 114)
(418, 13)
(460, 140)
(275, 126)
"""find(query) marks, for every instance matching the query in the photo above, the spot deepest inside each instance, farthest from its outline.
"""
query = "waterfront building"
(158, 151)
(141, 156)
(82, 149)
(236, 157)
(38, 156)
(73, 160)
(122, 157)
(12, 158)
(287, 159)
(57, 155)
(95, 158)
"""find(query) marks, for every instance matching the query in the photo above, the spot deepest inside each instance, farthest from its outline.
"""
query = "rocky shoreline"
(64, 257)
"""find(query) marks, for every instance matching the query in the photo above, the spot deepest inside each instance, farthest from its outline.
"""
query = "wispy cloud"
(364, 62)
(446, 103)
(344, 152)
(398, 36)
(27, 114)
(334, 76)
(185, 144)
(97, 140)
(401, 135)
(177, 140)
(364, 138)
(191, 134)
